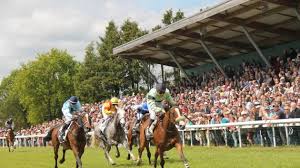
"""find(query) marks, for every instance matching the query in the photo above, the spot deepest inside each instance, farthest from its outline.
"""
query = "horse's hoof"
(113, 163)
(61, 161)
(138, 163)
(117, 155)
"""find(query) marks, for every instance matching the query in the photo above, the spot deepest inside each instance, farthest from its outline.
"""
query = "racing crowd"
(250, 92)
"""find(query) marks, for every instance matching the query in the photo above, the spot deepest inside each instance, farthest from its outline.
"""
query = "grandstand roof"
(270, 22)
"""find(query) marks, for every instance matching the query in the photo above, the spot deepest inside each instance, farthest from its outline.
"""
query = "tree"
(111, 67)
(157, 27)
(168, 17)
(134, 69)
(10, 105)
(44, 84)
(88, 82)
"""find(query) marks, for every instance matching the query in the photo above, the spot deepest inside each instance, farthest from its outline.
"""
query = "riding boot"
(150, 129)
(62, 136)
(136, 128)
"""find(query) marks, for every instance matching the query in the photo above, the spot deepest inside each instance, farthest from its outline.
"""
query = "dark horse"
(76, 138)
(165, 137)
(10, 139)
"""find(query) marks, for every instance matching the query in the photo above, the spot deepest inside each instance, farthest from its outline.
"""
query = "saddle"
(63, 132)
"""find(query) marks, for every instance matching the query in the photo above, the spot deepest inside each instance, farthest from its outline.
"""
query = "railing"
(243, 125)
(37, 140)
(25, 140)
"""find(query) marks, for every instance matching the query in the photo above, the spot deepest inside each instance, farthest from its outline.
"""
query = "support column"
(255, 46)
(212, 57)
(162, 73)
(150, 73)
(172, 55)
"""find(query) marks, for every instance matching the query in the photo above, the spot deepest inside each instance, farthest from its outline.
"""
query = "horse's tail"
(95, 142)
(48, 137)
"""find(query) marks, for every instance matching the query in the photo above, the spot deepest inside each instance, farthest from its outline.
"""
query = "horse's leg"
(55, 147)
(148, 153)
(141, 149)
(8, 145)
(80, 153)
(107, 149)
(129, 145)
(130, 148)
(12, 145)
(76, 151)
(181, 155)
(156, 156)
(118, 152)
(62, 160)
(76, 154)
(125, 143)
(162, 160)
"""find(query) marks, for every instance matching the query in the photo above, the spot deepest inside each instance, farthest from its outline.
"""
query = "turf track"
(199, 157)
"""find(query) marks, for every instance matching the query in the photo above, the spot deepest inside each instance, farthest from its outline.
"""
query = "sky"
(29, 27)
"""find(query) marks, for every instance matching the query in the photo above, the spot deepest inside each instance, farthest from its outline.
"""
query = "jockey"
(142, 109)
(154, 100)
(9, 124)
(69, 108)
(109, 108)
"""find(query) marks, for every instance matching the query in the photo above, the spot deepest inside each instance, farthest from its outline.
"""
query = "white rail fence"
(37, 140)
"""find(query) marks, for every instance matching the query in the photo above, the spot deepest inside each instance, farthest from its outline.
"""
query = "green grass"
(199, 157)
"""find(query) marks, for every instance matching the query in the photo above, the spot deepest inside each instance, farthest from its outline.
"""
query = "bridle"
(84, 114)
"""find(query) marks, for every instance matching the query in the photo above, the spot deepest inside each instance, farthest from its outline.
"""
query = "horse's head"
(86, 121)
(175, 115)
(121, 115)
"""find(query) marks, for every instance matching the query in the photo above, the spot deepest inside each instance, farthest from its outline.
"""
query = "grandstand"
(226, 33)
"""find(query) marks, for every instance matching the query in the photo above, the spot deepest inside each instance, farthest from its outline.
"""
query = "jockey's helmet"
(73, 100)
(107, 105)
(145, 107)
(114, 100)
(161, 88)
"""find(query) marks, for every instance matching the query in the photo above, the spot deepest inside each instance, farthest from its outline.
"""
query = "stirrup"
(149, 135)
(61, 139)
(134, 132)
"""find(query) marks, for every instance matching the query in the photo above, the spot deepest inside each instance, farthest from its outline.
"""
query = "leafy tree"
(134, 70)
(157, 27)
(44, 84)
(169, 18)
(10, 105)
(178, 16)
(111, 67)
(88, 82)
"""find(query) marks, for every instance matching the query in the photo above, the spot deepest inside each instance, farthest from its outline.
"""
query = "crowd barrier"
(37, 140)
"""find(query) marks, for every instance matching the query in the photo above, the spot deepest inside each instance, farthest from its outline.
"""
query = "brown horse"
(76, 138)
(135, 139)
(165, 136)
(10, 139)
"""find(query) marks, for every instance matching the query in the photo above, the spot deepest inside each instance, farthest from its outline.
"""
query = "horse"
(165, 136)
(75, 139)
(135, 139)
(114, 135)
(10, 139)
